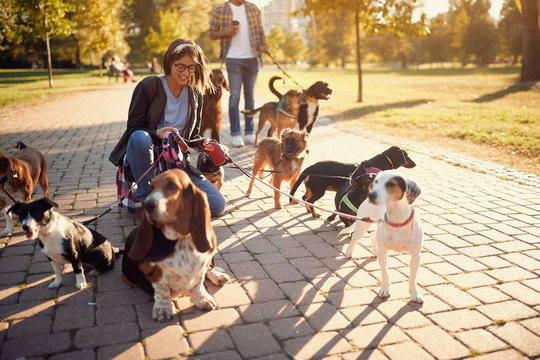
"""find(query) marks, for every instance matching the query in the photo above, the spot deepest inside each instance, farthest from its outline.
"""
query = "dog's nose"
(372, 197)
(25, 227)
(149, 205)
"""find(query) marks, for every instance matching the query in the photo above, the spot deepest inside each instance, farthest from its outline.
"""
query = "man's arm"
(216, 32)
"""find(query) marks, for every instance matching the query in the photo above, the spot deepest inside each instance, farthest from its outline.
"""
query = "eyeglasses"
(181, 68)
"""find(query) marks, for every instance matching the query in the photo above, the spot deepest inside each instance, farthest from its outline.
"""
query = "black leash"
(3, 182)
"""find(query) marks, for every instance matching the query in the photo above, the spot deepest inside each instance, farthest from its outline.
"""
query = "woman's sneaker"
(237, 141)
(249, 139)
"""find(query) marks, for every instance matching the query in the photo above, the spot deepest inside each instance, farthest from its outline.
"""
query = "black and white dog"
(65, 241)
(309, 111)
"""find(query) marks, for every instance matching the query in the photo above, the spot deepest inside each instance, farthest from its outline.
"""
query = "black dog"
(349, 197)
(309, 111)
(65, 241)
(332, 175)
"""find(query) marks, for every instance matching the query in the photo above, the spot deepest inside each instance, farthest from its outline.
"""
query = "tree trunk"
(47, 41)
(530, 69)
(358, 54)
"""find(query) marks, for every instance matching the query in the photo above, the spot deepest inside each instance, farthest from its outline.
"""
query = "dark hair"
(199, 79)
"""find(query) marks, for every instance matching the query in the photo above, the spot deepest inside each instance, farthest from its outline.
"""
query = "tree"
(511, 31)
(293, 47)
(100, 30)
(530, 69)
(390, 15)
(383, 46)
(275, 39)
(438, 42)
(41, 19)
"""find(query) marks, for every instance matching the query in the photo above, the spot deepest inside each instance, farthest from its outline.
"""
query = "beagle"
(170, 253)
(399, 227)
(64, 241)
(19, 175)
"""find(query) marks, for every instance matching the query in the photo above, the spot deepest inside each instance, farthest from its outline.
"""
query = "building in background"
(277, 11)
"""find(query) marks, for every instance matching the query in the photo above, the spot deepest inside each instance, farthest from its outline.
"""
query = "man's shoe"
(249, 139)
(237, 141)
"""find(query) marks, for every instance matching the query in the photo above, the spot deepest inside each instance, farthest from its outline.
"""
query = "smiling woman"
(167, 104)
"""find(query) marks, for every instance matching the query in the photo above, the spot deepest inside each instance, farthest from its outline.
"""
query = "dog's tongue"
(29, 234)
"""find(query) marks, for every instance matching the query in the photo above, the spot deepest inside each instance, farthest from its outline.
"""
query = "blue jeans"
(241, 72)
(140, 156)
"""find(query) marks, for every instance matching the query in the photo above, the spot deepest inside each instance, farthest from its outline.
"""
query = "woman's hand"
(160, 133)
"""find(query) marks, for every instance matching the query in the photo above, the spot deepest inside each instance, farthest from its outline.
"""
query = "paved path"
(293, 293)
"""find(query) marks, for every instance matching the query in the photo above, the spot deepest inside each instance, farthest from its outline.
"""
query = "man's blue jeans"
(140, 156)
(241, 72)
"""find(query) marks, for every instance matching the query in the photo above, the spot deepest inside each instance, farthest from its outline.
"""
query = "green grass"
(486, 108)
(22, 86)
(484, 111)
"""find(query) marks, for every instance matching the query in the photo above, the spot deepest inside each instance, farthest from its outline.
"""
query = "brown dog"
(282, 115)
(285, 156)
(212, 112)
(21, 172)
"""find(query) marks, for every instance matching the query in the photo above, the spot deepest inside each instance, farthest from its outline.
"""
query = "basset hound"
(170, 253)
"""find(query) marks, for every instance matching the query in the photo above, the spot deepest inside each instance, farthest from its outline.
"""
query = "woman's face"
(183, 69)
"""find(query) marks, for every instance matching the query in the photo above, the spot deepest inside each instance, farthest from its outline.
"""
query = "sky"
(431, 7)
(434, 7)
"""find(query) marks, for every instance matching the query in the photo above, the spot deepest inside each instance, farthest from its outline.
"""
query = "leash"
(114, 205)
(3, 181)
(348, 216)
(282, 70)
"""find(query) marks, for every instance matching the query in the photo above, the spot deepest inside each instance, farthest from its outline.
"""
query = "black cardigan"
(146, 110)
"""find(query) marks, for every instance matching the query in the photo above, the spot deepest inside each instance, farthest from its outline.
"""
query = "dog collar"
(403, 223)
(311, 98)
(390, 161)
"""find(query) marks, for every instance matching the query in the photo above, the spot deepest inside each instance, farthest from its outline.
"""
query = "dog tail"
(20, 145)
(272, 88)
(347, 230)
(251, 112)
(297, 184)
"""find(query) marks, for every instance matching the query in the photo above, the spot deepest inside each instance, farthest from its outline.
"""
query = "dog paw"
(6, 233)
(81, 284)
(417, 298)
(55, 284)
(277, 206)
(217, 277)
(162, 313)
(206, 303)
(384, 292)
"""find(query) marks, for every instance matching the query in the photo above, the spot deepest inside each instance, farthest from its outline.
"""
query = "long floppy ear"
(413, 190)
(46, 204)
(143, 239)
(15, 208)
(200, 225)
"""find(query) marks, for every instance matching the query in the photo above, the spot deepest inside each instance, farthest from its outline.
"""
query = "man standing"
(238, 26)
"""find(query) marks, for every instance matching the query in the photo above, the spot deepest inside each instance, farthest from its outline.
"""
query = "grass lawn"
(484, 112)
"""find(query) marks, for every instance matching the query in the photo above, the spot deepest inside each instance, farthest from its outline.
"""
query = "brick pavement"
(293, 293)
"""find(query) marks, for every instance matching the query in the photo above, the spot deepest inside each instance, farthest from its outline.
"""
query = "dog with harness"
(309, 111)
(333, 175)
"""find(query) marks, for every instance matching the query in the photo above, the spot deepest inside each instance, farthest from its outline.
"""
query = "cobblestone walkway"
(294, 294)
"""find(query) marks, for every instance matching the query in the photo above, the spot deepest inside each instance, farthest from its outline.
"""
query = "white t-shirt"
(240, 47)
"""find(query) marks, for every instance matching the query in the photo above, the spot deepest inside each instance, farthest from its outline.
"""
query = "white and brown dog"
(170, 253)
(64, 241)
(399, 228)
(19, 175)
